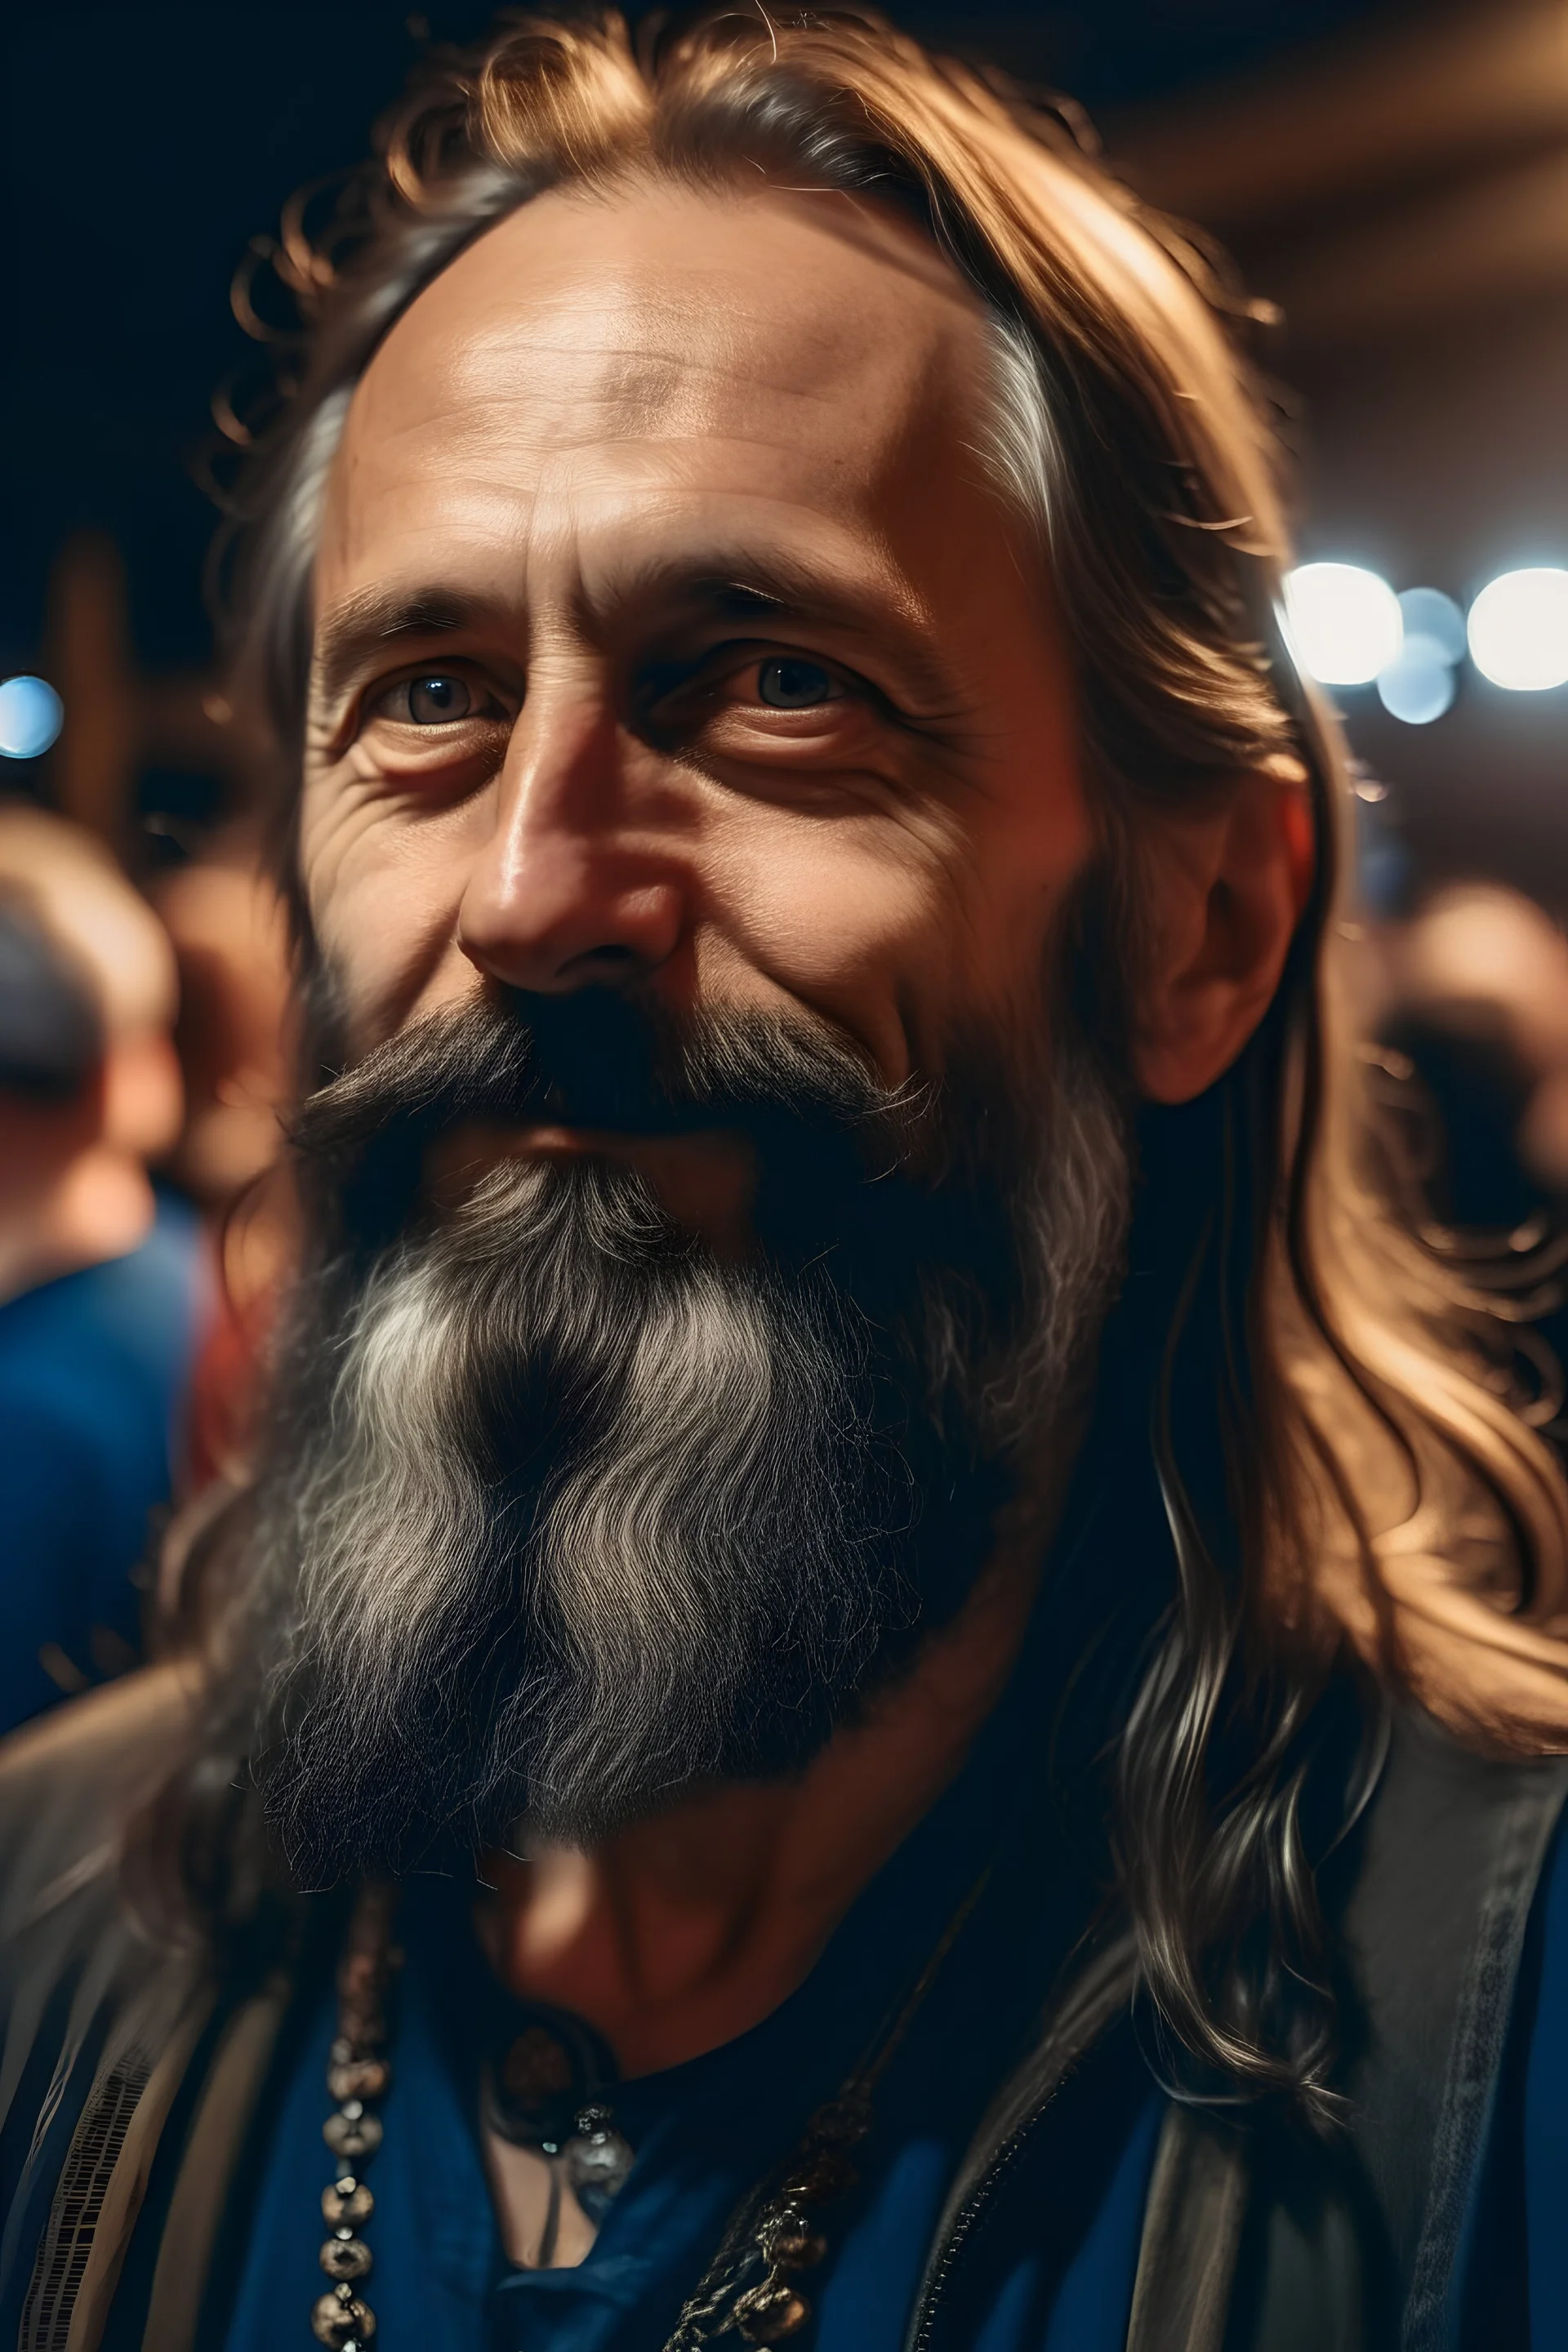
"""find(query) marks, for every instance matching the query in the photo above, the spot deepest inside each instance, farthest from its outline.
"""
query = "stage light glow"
(1345, 622)
(1427, 613)
(30, 716)
(1418, 684)
(1518, 629)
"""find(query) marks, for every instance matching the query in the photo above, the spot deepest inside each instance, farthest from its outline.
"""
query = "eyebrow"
(376, 620)
(744, 585)
(752, 585)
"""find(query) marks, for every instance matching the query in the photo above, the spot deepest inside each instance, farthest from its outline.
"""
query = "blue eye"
(435, 699)
(790, 684)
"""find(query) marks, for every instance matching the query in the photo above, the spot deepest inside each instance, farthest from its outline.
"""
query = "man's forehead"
(807, 328)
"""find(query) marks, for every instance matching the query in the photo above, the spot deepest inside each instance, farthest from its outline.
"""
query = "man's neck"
(685, 1930)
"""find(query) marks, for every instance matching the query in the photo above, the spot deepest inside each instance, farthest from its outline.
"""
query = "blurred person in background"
(101, 1281)
(893, 1670)
(1474, 990)
(1468, 999)
(234, 1038)
(230, 933)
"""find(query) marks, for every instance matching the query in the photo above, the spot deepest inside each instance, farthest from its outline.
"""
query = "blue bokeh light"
(1418, 685)
(30, 716)
(1429, 613)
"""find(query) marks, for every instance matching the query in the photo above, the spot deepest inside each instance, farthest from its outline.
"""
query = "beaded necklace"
(359, 2075)
(752, 2283)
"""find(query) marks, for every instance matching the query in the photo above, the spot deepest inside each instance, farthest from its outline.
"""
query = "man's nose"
(571, 891)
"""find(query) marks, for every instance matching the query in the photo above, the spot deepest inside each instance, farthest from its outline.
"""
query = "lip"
(554, 1140)
(475, 1144)
(704, 1178)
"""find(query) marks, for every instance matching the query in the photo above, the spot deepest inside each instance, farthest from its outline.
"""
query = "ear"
(1227, 883)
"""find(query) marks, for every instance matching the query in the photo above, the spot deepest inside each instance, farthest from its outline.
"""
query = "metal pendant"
(597, 2160)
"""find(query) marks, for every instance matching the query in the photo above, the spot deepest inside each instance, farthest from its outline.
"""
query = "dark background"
(1397, 178)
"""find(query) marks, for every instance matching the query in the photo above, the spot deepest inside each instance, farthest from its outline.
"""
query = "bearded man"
(878, 1680)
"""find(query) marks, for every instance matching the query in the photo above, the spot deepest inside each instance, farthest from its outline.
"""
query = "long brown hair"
(1341, 1469)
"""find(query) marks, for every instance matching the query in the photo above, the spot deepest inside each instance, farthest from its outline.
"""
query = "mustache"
(801, 1088)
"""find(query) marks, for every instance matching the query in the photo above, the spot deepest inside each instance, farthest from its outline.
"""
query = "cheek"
(143, 1096)
(900, 928)
(384, 895)
(862, 918)
(1032, 840)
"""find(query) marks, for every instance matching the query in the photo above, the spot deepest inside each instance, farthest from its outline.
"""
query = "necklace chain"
(752, 2283)
(359, 2075)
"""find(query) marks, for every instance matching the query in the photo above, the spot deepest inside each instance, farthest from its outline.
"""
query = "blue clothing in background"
(94, 1369)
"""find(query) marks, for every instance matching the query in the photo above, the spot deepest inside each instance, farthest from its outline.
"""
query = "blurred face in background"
(235, 1033)
(83, 1193)
(104, 921)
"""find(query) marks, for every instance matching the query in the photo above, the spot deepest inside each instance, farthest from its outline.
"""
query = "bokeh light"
(1418, 684)
(1518, 629)
(1427, 613)
(30, 716)
(1345, 622)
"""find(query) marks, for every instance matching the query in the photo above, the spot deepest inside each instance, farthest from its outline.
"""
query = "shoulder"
(70, 1781)
(1547, 1988)
(95, 1750)
(1445, 1870)
(88, 2004)
(169, 1273)
(113, 1328)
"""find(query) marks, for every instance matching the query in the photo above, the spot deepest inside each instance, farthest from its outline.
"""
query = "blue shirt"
(93, 1373)
(707, 2132)
(1055, 2268)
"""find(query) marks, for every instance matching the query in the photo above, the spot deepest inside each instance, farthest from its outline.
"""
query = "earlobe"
(1228, 886)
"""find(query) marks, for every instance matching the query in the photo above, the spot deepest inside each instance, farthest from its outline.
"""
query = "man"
(100, 1275)
(866, 1690)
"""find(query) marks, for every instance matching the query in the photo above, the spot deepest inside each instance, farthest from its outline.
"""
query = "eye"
(438, 697)
(432, 700)
(791, 684)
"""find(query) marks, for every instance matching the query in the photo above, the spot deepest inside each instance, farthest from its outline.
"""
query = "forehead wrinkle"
(670, 395)
(631, 343)
(744, 581)
(638, 424)
(513, 490)
(478, 359)
(568, 456)
(491, 430)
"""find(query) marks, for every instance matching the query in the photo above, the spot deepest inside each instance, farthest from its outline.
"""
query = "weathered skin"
(625, 453)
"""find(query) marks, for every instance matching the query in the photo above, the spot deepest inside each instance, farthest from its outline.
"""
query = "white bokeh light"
(1429, 613)
(30, 716)
(1345, 622)
(1518, 629)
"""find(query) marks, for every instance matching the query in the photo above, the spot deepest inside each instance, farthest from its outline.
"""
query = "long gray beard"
(579, 1517)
